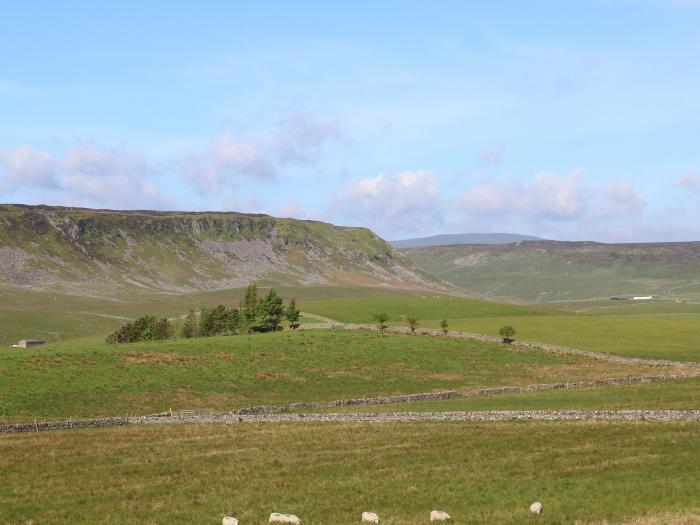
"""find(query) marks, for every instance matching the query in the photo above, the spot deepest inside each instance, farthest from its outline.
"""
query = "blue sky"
(570, 120)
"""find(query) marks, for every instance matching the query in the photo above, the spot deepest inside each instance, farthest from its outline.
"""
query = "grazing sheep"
(438, 515)
(276, 517)
(370, 517)
(228, 520)
(536, 507)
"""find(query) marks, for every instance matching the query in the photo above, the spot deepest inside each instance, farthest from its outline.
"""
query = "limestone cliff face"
(86, 251)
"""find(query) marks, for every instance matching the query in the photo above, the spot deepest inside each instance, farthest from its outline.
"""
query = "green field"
(680, 394)
(362, 309)
(634, 336)
(84, 378)
(644, 473)
(54, 317)
(654, 330)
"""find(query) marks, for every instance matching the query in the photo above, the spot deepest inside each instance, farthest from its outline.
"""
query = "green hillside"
(545, 271)
(83, 251)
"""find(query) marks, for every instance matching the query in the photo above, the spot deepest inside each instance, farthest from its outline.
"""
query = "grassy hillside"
(635, 473)
(89, 378)
(83, 251)
(556, 271)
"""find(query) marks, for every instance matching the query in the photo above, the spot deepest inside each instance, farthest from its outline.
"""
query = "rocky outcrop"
(84, 251)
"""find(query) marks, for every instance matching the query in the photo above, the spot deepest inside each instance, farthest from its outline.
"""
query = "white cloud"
(25, 166)
(84, 175)
(403, 202)
(621, 199)
(550, 199)
(690, 181)
(547, 196)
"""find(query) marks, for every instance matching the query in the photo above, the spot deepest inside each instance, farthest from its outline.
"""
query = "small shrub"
(443, 326)
(381, 319)
(507, 333)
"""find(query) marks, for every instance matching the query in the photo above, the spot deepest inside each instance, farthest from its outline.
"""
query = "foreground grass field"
(89, 378)
(329, 473)
(680, 394)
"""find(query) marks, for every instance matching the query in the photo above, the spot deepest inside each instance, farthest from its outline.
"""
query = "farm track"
(554, 349)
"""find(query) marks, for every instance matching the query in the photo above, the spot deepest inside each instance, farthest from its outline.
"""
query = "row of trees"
(252, 315)
(382, 319)
(146, 328)
(506, 332)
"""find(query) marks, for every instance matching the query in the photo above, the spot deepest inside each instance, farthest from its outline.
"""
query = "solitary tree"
(412, 323)
(189, 328)
(250, 302)
(269, 313)
(443, 325)
(233, 324)
(381, 319)
(507, 333)
(162, 330)
(292, 314)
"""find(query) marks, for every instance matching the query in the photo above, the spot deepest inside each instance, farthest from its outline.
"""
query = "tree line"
(252, 315)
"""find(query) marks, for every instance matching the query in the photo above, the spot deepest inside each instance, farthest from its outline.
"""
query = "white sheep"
(536, 507)
(228, 520)
(276, 517)
(438, 515)
(370, 517)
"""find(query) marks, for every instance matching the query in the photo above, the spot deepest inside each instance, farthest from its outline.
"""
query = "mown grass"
(680, 394)
(330, 473)
(655, 338)
(83, 378)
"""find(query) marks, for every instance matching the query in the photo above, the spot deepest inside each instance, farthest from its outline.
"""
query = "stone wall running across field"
(452, 394)
(242, 415)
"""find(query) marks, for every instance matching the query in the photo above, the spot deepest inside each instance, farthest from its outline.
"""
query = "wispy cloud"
(689, 181)
(297, 138)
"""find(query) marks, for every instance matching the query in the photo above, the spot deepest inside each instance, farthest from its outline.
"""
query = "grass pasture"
(328, 473)
(86, 378)
(362, 309)
(675, 338)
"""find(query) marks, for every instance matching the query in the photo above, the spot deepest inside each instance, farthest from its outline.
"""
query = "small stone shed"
(27, 343)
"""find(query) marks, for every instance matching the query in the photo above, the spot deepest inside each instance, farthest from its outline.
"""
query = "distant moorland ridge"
(463, 238)
(560, 271)
(86, 251)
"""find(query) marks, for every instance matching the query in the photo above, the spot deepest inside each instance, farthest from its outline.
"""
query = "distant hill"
(554, 271)
(84, 251)
(463, 238)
